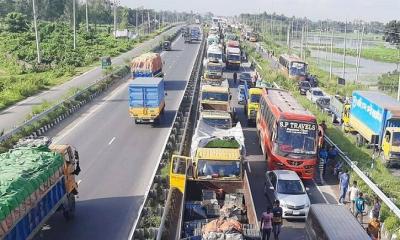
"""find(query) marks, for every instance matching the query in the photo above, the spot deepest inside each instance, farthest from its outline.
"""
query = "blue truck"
(375, 117)
(146, 99)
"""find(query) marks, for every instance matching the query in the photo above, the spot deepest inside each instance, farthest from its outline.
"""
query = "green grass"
(379, 53)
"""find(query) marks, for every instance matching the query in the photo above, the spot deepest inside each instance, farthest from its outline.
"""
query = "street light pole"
(74, 16)
(36, 31)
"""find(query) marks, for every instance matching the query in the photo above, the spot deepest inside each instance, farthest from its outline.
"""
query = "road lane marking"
(248, 166)
(111, 141)
(320, 191)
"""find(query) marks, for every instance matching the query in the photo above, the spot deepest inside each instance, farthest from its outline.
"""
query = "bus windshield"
(298, 68)
(215, 96)
(296, 137)
(218, 123)
(218, 169)
(233, 57)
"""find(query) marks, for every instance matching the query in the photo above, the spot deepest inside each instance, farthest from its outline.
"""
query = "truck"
(233, 58)
(187, 38)
(340, 109)
(375, 118)
(147, 65)
(331, 221)
(213, 70)
(146, 99)
(37, 180)
(195, 34)
(214, 186)
(214, 53)
(252, 104)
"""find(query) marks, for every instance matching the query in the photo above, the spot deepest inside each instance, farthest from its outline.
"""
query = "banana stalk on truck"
(36, 181)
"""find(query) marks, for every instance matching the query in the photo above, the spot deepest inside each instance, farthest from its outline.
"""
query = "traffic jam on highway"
(256, 166)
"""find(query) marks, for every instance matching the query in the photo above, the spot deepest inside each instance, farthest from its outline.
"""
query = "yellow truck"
(252, 104)
(213, 71)
(214, 186)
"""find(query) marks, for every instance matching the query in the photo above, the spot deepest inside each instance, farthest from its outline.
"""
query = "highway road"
(117, 156)
(16, 114)
(319, 191)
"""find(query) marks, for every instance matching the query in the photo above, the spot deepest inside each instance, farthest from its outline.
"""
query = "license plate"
(296, 213)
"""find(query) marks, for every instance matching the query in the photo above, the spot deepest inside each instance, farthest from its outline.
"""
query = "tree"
(124, 18)
(16, 22)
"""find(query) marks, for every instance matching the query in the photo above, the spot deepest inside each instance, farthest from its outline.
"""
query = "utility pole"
(344, 50)
(74, 16)
(319, 45)
(115, 18)
(36, 31)
(143, 22)
(136, 21)
(87, 17)
(330, 61)
(288, 37)
(398, 72)
(359, 54)
(148, 21)
(301, 42)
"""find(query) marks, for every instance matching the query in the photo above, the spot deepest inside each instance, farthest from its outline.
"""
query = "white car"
(314, 93)
(287, 187)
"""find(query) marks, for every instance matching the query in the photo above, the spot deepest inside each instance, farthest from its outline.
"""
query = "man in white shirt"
(353, 194)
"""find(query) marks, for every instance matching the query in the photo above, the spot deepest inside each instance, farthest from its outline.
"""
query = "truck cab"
(213, 70)
(215, 98)
(391, 145)
(252, 103)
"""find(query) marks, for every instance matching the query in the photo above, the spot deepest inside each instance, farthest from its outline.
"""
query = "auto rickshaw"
(167, 45)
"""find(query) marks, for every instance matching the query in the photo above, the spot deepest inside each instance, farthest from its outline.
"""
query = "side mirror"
(76, 155)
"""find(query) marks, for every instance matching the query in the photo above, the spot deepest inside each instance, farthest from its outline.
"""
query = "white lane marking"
(248, 166)
(78, 182)
(111, 141)
(320, 191)
(91, 113)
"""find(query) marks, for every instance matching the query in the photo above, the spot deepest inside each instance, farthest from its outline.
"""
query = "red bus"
(288, 133)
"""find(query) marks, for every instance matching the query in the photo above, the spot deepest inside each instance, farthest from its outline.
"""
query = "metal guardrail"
(175, 143)
(391, 205)
(60, 104)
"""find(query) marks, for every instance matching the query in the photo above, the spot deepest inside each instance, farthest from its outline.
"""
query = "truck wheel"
(69, 207)
(333, 118)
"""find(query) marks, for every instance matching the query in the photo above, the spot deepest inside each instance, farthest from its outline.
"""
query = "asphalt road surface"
(117, 156)
(16, 114)
(318, 191)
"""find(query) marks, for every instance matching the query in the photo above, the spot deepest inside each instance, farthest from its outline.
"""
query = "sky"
(368, 10)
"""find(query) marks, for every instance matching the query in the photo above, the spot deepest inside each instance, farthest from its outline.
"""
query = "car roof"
(315, 89)
(286, 175)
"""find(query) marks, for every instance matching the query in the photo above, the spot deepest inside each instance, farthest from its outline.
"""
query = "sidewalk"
(16, 114)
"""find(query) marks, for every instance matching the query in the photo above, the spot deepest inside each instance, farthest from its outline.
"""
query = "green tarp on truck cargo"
(22, 172)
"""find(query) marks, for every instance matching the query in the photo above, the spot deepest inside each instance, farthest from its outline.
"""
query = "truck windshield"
(215, 96)
(255, 98)
(292, 187)
(298, 69)
(214, 56)
(396, 139)
(296, 137)
(218, 123)
(218, 169)
(214, 68)
(234, 57)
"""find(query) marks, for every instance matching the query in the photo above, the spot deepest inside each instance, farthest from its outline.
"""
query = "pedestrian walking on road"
(235, 78)
(266, 224)
(360, 207)
(374, 229)
(344, 180)
(353, 194)
(277, 219)
(376, 211)
(323, 156)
